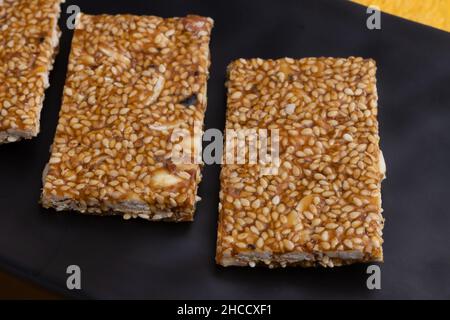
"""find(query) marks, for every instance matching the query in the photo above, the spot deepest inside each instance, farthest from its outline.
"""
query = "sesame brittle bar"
(29, 37)
(323, 206)
(132, 81)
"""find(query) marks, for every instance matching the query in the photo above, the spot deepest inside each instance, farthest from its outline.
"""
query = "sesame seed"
(162, 68)
(349, 92)
(236, 95)
(347, 137)
(276, 200)
(290, 108)
(348, 243)
(288, 245)
(355, 214)
(357, 201)
(307, 132)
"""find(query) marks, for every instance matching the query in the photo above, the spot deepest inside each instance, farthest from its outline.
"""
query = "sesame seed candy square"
(323, 205)
(29, 37)
(131, 82)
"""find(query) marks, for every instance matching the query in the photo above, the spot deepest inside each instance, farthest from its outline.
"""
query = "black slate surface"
(138, 259)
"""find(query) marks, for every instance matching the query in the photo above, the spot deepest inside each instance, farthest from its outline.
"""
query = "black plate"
(138, 259)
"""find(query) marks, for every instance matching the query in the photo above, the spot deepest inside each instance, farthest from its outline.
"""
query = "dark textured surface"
(138, 259)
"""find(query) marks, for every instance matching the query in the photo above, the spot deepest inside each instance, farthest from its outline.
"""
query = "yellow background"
(435, 13)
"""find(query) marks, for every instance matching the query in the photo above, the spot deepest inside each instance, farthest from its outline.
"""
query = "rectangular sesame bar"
(132, 82)
(322, 206)
(29, 37)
